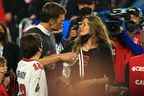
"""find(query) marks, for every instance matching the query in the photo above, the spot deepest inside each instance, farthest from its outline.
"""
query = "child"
(30, 72)
(3, 77)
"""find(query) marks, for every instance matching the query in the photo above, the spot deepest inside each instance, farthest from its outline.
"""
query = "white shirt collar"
(44, 30)
(39, 26)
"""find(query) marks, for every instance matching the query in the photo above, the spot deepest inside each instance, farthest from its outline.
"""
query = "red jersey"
(136, 75)
(122, 55)
(3, 91)
(137, 38)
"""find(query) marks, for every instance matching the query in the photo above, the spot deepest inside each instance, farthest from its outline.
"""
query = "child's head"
(31, 43)
(3, 67)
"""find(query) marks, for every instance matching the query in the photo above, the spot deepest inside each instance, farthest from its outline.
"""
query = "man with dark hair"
(52, 16)
(3, 70)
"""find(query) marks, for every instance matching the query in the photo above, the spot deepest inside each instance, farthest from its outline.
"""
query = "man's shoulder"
(36, 30)
(33, 29)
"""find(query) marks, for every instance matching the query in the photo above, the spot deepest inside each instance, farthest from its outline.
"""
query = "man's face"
(57, 25)
(73, 33)
(135, 19)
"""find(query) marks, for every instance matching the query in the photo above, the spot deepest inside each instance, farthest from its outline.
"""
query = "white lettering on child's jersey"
(31, 79)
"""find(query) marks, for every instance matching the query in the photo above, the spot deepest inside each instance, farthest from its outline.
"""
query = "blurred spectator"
(32, 19)
(3, 68)
(127, 44)
(28, 1)
(16, 7)
(7, 49)
(103, 5)
(77, 9)
(11, 52)
(72, 9)
(72, 36)
(138, 3)
(2, 14)
(74, 6)
(10, 19)
(11, 27)
(3, 77)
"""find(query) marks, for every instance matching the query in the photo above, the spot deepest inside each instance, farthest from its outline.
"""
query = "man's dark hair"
(51, 10)
(30, 44)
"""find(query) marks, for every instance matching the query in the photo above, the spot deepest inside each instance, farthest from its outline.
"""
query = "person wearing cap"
(74, 7)
(77, 9)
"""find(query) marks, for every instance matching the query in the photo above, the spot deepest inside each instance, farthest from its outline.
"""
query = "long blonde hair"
(98, 28)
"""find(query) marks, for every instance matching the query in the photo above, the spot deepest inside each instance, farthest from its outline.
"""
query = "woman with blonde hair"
(93, 72)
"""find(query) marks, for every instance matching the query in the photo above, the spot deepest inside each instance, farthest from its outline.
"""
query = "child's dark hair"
(30, 44)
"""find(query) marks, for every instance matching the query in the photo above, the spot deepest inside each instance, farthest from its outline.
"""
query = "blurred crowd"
(71, 48)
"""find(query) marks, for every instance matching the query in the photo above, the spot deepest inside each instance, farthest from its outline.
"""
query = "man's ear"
(52, 21)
